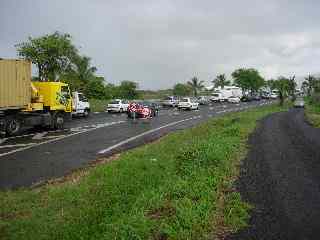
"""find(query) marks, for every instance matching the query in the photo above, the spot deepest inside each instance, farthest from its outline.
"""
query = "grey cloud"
(159, 43)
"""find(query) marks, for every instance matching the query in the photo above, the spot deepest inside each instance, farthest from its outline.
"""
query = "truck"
(222, 94)
(81, 105)
(27, 103)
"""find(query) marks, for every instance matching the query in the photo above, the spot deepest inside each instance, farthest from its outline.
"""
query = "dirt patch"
(163, 212)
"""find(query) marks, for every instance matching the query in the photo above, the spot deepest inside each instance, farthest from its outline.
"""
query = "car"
(298, 103)
(188, 103)
(203, 100)
(142, 110)
(273, 96)
(233, 99)
(246, 98)
(118, 105)
(256, 97)
(171, 101)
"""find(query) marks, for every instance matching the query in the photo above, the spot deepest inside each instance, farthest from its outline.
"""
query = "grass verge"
(312, 113)
(97, 105)
(177, 188)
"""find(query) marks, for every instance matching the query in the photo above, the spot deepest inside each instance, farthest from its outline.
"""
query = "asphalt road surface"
(38, 155)
(281, 179)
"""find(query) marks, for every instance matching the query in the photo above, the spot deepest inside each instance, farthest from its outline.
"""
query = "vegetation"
(97, 105)
(181, 89)
(185, 193)
(248, 79)
(196, 85)
(221, 81)
(52, 53)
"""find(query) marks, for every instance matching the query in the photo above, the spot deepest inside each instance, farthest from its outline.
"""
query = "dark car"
(153, 106)
(142, 110)
(246, 98)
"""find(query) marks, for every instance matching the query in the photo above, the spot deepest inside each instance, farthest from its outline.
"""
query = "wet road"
(37, 156)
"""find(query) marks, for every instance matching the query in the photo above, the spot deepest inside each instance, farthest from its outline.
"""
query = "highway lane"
(41, 155)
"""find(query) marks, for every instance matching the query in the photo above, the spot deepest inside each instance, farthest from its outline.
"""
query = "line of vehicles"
(27, 103)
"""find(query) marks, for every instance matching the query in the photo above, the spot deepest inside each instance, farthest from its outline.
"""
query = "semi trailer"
(30, 103)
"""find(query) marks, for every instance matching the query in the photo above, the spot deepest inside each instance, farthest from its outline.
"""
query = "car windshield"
(185, 100)
(215, 95)
(168, 99)
(115, 102)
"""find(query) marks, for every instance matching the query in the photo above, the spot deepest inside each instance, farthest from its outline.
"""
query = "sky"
(160, 43)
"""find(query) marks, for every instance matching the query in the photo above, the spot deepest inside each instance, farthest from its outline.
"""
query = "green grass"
(312, 113)
(97, 105)
(180, 187)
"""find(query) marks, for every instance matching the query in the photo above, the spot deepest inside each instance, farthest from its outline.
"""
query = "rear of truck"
(27, 103)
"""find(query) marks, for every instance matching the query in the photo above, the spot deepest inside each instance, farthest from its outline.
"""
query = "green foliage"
(196, 85)
(248, 79)
(127, 90)
(52, 53)
(181, 89)
(95, 88)
(166, 190)
(221, 81)
(80, 73)
(311, 85)
(286, 87)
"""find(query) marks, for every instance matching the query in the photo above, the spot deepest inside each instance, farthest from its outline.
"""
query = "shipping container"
(15, 86)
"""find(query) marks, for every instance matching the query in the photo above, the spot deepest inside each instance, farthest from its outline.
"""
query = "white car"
(118, 105)
(233, 99)
(171, 101)
(188, 103)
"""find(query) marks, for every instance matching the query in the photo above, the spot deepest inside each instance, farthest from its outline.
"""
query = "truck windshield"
(114, 102)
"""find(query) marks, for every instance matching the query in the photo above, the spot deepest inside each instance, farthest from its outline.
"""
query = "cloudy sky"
(159, 43)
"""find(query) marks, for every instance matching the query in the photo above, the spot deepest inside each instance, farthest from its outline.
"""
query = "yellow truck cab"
(27, 103)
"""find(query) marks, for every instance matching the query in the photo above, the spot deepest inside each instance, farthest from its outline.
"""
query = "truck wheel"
(13, 126)
(57, 121)
(86, 112)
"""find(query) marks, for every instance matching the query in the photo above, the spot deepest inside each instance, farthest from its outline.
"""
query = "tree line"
(248, 79)
(57, 59)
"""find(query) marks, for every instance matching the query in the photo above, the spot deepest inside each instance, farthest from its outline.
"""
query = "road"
(281, 179)
(37, 156)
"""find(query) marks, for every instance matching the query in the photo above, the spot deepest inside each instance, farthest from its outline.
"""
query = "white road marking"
(17, 145)
(56, 139)
(39, 136)
(145, 133)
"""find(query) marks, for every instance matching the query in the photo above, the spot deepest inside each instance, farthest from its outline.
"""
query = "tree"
(311, 85)
(221, 81)
(80, 73)
(248, 79)
(270, 84)
(195, 85)
(51, 53)
(95, 88)
(292, 87)
(128, 90)
(181, 89)
(282, 84)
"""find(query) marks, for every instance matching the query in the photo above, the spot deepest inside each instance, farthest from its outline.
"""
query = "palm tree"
(221, 81)
(195, 85)
(80, 73)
